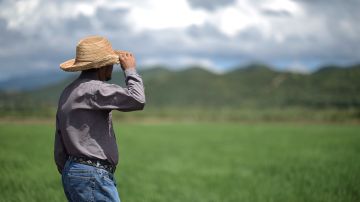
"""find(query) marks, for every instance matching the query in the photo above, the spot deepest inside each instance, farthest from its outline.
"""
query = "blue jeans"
(88, 183)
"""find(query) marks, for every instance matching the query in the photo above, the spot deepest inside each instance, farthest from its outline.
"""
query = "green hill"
(256, 87)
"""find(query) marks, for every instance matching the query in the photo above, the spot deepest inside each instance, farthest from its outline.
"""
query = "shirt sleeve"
(60, 154)
(112, 96)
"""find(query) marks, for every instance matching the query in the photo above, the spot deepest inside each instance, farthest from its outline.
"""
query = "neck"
(89, 75)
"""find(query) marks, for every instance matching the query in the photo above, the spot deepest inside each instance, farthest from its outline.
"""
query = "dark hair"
(91, 70)
(96, 69)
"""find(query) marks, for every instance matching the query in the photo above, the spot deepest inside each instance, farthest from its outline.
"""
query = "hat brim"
(73, 65)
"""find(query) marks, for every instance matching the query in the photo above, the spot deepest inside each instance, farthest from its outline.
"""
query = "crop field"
(199, 162)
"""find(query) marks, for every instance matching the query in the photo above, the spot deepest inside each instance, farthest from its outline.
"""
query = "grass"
(205, 114)
(198, 162)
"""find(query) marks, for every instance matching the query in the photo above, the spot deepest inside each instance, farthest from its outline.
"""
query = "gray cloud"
(325, 33)
(210, 4)
(79, 24)
(279, 13)
(8, 36)
(340, 26)
(112, 19)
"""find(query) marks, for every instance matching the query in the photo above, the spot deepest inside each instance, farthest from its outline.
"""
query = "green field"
(168, 162)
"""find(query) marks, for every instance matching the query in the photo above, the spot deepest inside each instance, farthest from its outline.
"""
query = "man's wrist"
(129, 71)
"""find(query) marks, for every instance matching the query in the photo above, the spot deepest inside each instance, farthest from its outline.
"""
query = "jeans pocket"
(80, 174)
(81, 188)
(79, 183)
(107, 177)
(80, 170)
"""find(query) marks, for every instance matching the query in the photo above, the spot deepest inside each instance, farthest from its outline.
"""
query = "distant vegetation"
(255, 92)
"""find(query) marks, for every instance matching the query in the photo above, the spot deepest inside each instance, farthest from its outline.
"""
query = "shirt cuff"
(130, 71)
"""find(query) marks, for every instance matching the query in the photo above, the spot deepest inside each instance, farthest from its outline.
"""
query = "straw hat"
(91, 52)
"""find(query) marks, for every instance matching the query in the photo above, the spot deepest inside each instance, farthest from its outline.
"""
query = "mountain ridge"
(255, 86)
(39, 79)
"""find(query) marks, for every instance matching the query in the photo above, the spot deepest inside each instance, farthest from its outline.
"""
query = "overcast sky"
(289, 34)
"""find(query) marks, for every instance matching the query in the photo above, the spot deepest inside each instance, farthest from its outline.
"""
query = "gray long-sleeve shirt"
(83, 120)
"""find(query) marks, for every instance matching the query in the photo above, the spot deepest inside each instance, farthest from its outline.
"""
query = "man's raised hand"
(127, 59)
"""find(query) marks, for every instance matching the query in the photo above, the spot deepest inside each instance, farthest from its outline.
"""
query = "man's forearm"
(135, 85)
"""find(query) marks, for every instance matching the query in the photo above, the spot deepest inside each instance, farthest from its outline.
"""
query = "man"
(85, 149)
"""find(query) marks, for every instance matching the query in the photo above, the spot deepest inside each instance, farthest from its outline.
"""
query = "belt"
(103, 164)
